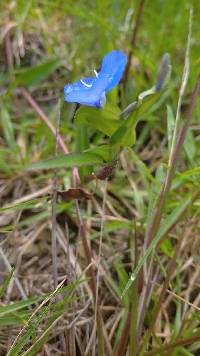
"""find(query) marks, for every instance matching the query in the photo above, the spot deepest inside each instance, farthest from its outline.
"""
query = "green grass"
(52, 43)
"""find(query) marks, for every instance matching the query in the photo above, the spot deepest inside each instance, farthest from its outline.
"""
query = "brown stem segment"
(121, 347)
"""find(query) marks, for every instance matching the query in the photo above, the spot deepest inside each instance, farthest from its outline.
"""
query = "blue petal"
(91, 91)
(81, 92)
(112, 68)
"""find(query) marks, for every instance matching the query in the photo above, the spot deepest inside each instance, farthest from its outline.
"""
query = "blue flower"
(92, 91)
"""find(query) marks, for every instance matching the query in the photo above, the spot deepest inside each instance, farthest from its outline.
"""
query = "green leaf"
(147, 102)
(123, 137)
(102, 120)
(6, 283)
(160, 173)
(22, 10)
(18, 318)
(190, 146)
(93, 156)
(105, 151)
(33, 350)
(164, 71)
(34, 75)
(189, 173)
(167, 248)
(6, 309)
(8, 128)
(123, 278)
(142, 168)
(29, 204)
(170, 125)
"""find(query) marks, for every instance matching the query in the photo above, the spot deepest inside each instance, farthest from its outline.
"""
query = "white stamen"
(95, 72)
(87, 85)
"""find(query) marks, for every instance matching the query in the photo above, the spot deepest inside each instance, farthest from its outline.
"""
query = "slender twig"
(133, 41)
(53, 205)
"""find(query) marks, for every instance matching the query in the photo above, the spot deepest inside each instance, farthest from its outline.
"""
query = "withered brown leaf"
(74, 193)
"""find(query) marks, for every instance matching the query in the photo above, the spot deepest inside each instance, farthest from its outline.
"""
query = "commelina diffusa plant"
(92, 92)
(117, 127)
